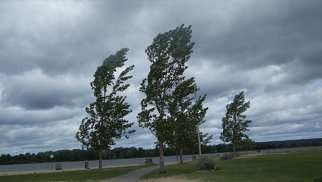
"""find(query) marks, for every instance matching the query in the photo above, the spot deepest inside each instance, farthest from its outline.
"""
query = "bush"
(228, 156)
(206, 163)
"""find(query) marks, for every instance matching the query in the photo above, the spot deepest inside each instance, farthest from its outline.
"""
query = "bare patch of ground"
(249, 155)
(167, 179)
(54, 171)
(36, 172)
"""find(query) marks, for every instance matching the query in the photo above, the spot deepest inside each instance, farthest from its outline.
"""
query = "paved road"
(134, 175)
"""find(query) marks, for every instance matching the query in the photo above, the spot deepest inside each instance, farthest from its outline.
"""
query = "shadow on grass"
(82, 175)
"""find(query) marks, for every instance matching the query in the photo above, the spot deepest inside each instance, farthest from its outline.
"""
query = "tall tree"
(105, 121)
(185, 115)
(167, 54)
(234, 123)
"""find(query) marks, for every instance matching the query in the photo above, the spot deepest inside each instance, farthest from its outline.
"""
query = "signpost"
(51, 157)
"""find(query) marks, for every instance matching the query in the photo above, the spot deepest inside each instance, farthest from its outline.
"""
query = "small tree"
(106, 122)
(194, 145)
(234, 123)
(167, 54)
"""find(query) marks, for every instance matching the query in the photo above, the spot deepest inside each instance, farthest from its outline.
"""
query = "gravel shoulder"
(133, 175)
(167, 179)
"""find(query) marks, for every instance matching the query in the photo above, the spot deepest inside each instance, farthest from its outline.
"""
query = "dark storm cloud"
(36, 38)
(60, 37)
(265, 33)
(18, 116)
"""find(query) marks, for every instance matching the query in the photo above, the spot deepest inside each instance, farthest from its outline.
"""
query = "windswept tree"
(105, 121)
(234, 123)
(186, 113)
(168, 55)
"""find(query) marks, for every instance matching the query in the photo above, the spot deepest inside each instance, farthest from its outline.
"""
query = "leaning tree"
(105, 121)
(168, 55)
(234, 123)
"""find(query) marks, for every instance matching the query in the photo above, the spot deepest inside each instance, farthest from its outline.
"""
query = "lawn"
(295, 167)
(82, 175)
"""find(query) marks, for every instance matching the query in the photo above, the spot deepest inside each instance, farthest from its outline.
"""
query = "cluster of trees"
(132, 152)
(77, 155)
(264, 145)
(287, 144)
(61, 155)
(81, 155)
(170, 109)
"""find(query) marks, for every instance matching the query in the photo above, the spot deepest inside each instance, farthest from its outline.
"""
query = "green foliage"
(169, 109)
(234, 123)
(168, 55)
(106, 120)
(132, 152)
(186, 115)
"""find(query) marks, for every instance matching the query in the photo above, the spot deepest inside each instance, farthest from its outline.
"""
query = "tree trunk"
(100, 159)
(162, 169)
(234, 148)
(181, 160)
(193, 154)
(177, 155)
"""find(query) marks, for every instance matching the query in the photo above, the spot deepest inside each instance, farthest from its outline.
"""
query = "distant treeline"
(132, 152)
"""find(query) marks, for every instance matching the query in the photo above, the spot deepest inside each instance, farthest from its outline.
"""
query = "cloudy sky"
(49, 51)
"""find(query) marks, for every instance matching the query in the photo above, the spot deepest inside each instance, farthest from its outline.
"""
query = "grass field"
(83, 175)
(295, 167)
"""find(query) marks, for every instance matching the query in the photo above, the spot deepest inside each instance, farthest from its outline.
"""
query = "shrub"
(229, 156)
(206, 163)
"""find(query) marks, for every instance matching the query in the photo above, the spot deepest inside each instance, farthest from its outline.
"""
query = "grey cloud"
(276, 115)
(266, 33)
(35, 138)
(143, 139)
(37, 37)
(285, 132)
(49, 52)
(293, 106)
(35, 90)
(17, 116)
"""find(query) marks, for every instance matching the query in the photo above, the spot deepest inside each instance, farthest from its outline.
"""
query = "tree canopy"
(234, 123)
(168, 55)
(105, 121)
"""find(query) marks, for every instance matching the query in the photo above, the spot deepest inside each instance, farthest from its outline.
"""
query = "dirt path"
(132, 176)
(169, 179)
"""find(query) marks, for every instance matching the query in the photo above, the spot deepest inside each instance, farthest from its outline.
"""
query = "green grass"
(82, 175)
(293, 167)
